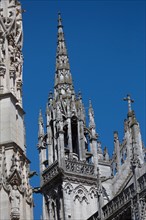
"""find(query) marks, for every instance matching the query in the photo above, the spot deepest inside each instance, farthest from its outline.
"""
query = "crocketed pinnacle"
(91, 116)
(40, 119)
(61, 49)
(63, 77)
(41, 125)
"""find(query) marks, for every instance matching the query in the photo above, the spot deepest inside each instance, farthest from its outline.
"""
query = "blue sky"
(106, 48)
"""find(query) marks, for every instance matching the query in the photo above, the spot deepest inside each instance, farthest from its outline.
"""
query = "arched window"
(74, 129)
(65, 129)
(52, 130)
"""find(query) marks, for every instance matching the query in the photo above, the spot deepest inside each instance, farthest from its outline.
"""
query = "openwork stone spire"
(63, 79)
(77, 177)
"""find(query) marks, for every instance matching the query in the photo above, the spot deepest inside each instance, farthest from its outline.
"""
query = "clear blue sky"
(106, 47)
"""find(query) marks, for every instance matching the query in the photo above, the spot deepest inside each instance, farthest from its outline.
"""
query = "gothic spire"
(63, 79)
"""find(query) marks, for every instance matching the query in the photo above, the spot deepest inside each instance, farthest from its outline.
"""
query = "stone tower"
(15, 191)
(68, 148)
(79, 180)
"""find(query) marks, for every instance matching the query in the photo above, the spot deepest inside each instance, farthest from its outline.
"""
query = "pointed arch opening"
(74, 130)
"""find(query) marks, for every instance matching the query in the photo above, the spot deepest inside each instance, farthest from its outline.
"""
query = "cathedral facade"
(79, 180)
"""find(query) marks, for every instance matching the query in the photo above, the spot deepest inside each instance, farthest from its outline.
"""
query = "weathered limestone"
(78, 178)
(126, 188)
(15, 191)
(69, 169)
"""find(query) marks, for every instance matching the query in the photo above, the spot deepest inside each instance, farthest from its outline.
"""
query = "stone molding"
(79, 168)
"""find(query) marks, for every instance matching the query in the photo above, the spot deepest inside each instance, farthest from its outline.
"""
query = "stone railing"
(50, 172)
(142, 183)
(118, 202)
(79, 167)
(70, 166)
(122, 200)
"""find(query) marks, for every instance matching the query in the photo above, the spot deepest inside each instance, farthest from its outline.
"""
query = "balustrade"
(79, 167)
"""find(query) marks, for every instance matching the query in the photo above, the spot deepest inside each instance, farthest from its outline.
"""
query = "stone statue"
(15, 200)
(18, 65)
(2, 50)
(18, 37)
(11, 50)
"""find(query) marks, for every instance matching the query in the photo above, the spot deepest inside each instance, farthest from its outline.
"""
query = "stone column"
(94, 152)
(128, 139)
(41, 158)
(50, 146)
(117, 150)
(2, 74)
(54, 138)
(81, 140)
(69, 129)
(69, 136)
(19, 91)
(61, 146)
(137, 142)
(12, 82)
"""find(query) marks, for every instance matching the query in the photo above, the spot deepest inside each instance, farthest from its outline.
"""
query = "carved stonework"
(143, 208)
(50, 173)
(15, 191)
(68, 188)
(2, 74)
(29, 193)
(93, 192)
(71, 156)
(81, 194)
(11, 39)
(15, 203)
(79, 168)
(15, 178)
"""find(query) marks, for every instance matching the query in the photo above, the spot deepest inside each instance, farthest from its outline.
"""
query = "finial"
(105, 154)
(40, 116)
(47, 109)
(90, 103)
(99, 149)
(91, 116)
(91, 108)
(50, 95)
(79, 95)
(129, 100)
(59, 19)
(115, 135)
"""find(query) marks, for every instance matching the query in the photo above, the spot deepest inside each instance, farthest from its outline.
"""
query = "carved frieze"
(51, 172)
(81, 194)
(79, 168)
(14, 197)
(68, 188)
